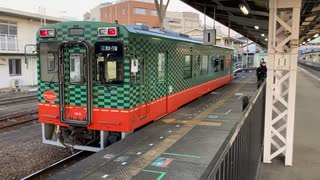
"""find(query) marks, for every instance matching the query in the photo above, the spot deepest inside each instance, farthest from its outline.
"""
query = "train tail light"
(108, 31)
(47, 33)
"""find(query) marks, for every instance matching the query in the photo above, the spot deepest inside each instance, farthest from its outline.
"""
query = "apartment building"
(182, 21)
(18, 63)
(130, 12)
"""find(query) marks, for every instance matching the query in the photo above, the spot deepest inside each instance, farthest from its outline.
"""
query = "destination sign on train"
(109, 48)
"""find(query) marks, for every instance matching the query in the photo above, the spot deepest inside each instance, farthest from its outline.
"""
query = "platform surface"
(306, 147)
(181, 145)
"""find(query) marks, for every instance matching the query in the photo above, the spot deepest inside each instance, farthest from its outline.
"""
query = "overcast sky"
(76, 8)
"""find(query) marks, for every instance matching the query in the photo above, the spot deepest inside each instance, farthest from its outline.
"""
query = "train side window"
(134, 70)
(161, 66)
(212, 64)
(142, 72)
(187, 67)
(216, 64)
(204, 65)
(222, 63)
(198, 66)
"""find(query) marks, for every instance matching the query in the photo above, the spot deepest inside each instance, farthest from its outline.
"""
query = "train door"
(159, 87)
(75, 83)
(144, 86)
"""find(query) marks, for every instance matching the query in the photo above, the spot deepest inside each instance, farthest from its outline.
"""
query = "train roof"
(141, 29)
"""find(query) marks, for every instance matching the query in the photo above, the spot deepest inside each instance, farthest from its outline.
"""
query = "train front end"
(84, 101)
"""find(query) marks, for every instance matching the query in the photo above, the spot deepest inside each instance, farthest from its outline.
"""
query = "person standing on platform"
(261, 73)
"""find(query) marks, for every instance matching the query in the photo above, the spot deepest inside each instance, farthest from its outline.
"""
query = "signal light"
(108, 31)
(112, 31)
(47, 33)
(43, 33)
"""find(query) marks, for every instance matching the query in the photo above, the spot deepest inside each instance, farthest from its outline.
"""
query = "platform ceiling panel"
(228, 12)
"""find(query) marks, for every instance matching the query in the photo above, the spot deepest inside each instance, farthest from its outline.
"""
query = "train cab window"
(51, 62)
(109, 63)
(109, 70)
(187, 67)
(204, 65)
(48, 62)
(161, 66)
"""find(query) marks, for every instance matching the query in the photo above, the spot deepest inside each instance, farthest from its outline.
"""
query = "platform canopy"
(228, 12)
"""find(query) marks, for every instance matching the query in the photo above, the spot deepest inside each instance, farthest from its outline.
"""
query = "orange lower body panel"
(126, 120)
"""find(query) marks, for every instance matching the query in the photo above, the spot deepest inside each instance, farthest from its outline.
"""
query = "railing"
(16, 44)
(8, 43)
(240, 154)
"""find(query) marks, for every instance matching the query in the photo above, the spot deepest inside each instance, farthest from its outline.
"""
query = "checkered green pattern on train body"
(103, 96)
(130, 95)
(175, 53)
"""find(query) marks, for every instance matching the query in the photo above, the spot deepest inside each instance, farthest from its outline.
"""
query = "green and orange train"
(100, 81)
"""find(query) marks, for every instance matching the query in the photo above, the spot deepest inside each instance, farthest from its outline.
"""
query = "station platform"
(306, 150)
(181, 145)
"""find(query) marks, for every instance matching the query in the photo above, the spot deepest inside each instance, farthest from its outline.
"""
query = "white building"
(181, 21)
(18, 29)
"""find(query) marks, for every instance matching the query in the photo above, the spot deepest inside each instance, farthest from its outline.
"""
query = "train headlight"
(107, 31)
(47, 33)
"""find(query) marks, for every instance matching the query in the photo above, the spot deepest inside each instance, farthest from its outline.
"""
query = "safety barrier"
(239, 156)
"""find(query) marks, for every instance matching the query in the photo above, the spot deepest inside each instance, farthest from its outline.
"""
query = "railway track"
(5, 101)
(14, 119)
(55, 167)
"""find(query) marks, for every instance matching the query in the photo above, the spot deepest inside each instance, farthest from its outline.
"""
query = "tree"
(161, 10)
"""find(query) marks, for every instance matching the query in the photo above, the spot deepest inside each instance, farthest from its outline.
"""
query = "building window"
(175, 21)
(8, 36)
(14, 67)
(153, 12)
(123, 11)
(161, 66)
(140, 11)
(187, 67)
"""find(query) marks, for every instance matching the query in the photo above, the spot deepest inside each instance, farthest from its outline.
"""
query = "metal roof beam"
(230, 9)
